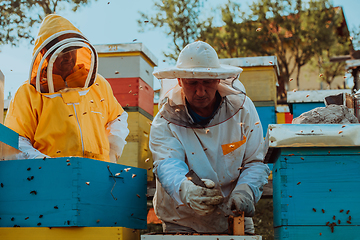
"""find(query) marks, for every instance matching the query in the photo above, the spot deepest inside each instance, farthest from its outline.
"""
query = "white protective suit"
(176, 149)
(229, 150)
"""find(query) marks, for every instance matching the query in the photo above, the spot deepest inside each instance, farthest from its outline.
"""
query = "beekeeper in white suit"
(208, 125)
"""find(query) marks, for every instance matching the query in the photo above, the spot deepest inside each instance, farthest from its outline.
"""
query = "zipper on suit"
(81, 136)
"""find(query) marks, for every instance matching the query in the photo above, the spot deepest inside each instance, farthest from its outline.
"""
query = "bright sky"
(114, 23)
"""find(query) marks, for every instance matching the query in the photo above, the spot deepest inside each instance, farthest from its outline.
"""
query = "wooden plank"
(71, 233)
(236, 225)
(62, 192)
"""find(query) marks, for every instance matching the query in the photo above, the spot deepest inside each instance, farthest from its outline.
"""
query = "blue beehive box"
(315, 180)
(304, 101)
(267, 114)
(72, 191)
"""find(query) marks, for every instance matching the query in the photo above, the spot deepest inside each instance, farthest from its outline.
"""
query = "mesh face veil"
(64, 60)
(199, 60)
(176, 111)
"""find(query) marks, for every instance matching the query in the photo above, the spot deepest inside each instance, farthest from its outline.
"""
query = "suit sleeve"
(254, 172)
(169, 158)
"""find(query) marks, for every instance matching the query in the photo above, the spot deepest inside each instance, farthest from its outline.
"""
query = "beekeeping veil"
(199, 60)
(57, 37)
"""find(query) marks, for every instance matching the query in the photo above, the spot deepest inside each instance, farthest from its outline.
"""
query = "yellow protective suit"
(74, 119)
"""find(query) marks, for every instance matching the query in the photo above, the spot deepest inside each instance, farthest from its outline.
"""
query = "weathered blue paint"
(54, 193)
(313, 187)
(267, 116)
(9, 137)
(299, 108)
(317, 232)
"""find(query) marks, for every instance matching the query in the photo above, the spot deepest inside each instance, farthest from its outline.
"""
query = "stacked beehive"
(259, 77)
(128, 68)
(68, 197)
(314, 180)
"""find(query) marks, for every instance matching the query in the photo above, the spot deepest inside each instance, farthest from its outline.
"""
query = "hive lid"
(126, 48)
(313, 135)
(313, 95)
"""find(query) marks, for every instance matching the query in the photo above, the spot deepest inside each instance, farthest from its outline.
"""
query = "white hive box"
(126, 60)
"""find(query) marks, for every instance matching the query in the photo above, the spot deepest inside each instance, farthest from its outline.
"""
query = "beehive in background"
(304, 101)
(128, 67)
(260, 78)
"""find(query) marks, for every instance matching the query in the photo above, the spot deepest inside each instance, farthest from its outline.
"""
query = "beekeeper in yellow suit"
(66, 108)
(206, 124)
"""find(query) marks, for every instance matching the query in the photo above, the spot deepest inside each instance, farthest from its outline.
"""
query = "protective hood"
(62, 58)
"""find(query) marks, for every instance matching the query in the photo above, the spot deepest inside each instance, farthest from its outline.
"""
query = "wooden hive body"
(73, 191)
(313, 189)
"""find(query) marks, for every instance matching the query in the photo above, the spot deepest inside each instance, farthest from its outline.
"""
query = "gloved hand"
(202, 200)
(242, 199)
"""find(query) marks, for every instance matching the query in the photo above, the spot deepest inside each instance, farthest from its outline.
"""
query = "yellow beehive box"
(69, 233)
(259, 76)
(136, 152)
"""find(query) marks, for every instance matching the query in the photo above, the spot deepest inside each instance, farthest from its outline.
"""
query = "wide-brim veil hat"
(198, 60)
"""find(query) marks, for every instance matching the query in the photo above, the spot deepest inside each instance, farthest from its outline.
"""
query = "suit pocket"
(230, 147)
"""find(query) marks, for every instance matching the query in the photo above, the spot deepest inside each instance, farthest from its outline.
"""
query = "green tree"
(17, 17)
(231, 39)
(331, 39)
(295, 31)
(179, 20)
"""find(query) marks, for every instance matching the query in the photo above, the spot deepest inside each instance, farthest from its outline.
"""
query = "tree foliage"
(179, 19)
(298, 32)
(295, 31)
(17, 17)
(331, 39)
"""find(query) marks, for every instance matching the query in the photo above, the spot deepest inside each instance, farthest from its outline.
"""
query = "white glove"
(202, 200)
(242, 199)
(30, 152)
